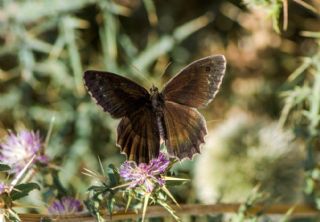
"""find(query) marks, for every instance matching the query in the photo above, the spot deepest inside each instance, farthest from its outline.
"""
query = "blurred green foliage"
(46, 45)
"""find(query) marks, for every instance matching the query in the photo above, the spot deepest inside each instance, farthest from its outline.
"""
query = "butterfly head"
(156, 98)
(154, 90)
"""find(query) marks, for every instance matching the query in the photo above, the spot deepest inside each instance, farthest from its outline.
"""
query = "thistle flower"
(17, 150)
(148, 175)
(2, 188)
(67, 205)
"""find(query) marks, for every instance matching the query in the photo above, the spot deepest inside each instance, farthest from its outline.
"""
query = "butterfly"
(169, 115)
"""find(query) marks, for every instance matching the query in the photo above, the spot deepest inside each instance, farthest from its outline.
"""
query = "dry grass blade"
(21, 174)
(93, 174)
(285, 14)
(307, 6)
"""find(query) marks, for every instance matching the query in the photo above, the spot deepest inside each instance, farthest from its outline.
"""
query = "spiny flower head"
(2, 187)
(18, 149)
(148, 175)
(67, 205)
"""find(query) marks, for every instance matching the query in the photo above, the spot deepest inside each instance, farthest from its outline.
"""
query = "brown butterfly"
(171, 115)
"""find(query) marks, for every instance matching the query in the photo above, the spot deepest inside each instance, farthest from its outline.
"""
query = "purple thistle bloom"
(2, 188)
(17, 150)
(145, 174)
(67, 205)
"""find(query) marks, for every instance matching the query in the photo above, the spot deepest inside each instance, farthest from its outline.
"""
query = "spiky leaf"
(23, 190)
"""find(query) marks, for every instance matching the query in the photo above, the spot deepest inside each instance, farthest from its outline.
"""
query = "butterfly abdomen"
(161, 127)
(157, 102)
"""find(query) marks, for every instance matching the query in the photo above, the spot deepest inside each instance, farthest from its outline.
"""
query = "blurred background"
(263, 124)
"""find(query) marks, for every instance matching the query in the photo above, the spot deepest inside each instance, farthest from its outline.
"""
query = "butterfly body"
(158, 103)
(157, 100)
(169, 115)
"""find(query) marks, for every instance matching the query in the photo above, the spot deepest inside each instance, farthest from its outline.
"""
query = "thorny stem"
(187, 209)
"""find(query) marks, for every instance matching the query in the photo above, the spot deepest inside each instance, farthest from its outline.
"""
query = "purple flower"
(17, 150)
(67, 205)
(147, 175)
(2, 188)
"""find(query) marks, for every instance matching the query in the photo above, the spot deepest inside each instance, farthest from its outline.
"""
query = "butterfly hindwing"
(185, 130)
(196, 84)
(115, 94)
(138, 135)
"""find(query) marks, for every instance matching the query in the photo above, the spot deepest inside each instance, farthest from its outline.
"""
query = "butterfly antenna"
(209, 122)
(140, 74)
(165, 70)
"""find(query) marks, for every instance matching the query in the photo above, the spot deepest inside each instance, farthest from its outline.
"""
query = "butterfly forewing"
(197, 84)
(185, 130)
(115, 94)
(138, 135)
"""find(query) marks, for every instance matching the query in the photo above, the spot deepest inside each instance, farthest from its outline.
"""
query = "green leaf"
(303, 67)
(174, 181)
(4, 167)
(58, 185)
(113, 175)
(169, 209)
(166, 42)
(13, 216)
(128, 202)
(23, 190)
(108, 35)
(96, 188)
(42, 9)
(92, 206)
(309, 187)
(69, 25)
(169, 194)
(110, 204)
